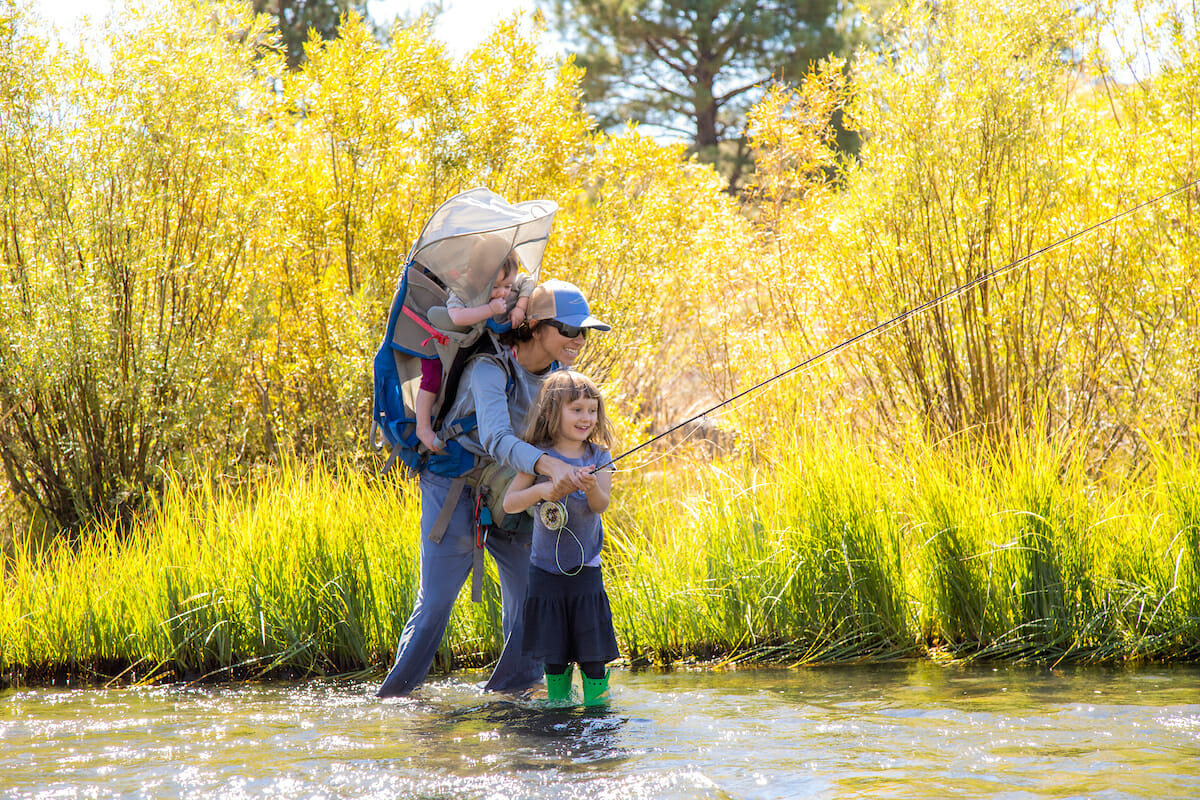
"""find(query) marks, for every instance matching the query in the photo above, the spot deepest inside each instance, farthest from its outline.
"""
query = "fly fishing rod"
(896, 320)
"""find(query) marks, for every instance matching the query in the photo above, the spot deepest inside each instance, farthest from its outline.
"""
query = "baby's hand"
(517, 316)
(498, 305)
(430, 440)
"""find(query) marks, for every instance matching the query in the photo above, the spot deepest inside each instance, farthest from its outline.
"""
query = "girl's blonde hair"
(562, 387)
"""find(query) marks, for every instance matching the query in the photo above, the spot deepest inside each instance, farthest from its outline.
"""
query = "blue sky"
(464, 24)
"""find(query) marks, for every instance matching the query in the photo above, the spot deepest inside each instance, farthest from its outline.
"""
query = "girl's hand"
(586, 477)
(599, 489)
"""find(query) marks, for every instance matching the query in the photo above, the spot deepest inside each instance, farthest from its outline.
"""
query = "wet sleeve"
(496, 433)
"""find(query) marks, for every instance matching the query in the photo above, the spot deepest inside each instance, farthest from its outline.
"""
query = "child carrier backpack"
(460, 250)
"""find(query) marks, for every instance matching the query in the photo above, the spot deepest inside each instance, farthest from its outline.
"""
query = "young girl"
(567, 614)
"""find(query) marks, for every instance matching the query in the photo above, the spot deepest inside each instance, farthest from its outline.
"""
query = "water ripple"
(902, 731)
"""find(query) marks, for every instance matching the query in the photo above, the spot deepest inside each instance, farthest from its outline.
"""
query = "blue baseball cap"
(563, 302)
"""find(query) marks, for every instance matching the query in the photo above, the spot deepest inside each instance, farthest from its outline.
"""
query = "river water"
(914, 730)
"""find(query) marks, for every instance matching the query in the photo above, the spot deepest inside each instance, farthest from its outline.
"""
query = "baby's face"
(503, 286)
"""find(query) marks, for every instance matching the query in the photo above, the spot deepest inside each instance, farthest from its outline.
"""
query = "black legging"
(592, 669)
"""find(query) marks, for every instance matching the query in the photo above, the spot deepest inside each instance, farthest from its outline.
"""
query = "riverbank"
(829, 554)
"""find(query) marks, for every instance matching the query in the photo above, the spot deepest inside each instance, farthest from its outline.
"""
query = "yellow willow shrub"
(1146, 142)
(130, 197)
(666, 257)
(353, 177)
(371, 139)
(794, 143)
(526, 135)
(960, 176)
(981, 145)
(795, 196)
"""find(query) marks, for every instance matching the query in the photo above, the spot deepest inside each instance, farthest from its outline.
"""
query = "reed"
(826, 553)
(1022, 556)
(795, 561)
(308, 572)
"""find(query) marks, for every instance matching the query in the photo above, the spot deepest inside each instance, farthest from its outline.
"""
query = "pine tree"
(692, 68)
(295, 18)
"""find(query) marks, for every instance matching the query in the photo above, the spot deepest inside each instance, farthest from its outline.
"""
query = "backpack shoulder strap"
(471, 478)
(510, 378)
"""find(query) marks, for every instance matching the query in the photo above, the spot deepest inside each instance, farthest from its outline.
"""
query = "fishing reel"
(553, 515)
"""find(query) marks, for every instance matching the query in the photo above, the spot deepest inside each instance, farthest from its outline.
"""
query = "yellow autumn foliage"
(199, 246)
(997, 139)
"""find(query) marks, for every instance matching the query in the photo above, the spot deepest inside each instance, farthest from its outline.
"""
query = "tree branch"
(725, 98)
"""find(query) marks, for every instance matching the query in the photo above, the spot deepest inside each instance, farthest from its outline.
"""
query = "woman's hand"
(564, 478)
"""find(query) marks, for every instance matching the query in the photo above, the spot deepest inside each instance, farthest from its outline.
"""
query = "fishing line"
(662, 455)
(928, 304)
(553, 514)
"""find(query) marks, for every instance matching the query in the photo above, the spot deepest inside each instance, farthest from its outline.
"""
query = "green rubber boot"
(558, 687)
(595, 690)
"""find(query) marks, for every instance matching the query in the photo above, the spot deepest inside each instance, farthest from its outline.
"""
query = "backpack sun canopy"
(467, 239)
(460, 250)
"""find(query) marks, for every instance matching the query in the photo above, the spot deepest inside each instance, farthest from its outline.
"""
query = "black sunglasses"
(569, 331)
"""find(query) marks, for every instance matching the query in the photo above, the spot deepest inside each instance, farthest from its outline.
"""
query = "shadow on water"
(542, 735)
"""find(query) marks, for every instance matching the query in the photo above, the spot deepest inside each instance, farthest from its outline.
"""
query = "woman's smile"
(565, 350)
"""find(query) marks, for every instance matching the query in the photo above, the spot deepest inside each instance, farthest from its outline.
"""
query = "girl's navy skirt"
(568, 618)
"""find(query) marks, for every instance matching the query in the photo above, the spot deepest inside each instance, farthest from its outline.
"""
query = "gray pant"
(445, 566)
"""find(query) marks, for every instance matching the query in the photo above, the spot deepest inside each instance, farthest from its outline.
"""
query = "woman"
(501, 390)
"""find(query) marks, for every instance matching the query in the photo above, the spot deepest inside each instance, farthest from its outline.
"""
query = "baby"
(465, 316)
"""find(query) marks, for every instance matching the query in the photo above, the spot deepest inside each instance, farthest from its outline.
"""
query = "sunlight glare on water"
(912, 730)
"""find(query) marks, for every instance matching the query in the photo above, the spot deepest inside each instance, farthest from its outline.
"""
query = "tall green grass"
(796, 561)
(1020, 555)
(312, 572)
(827, 553)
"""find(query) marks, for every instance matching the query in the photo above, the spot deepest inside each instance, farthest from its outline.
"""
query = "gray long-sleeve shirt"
(501, 417)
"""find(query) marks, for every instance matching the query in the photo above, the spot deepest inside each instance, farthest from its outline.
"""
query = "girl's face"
(578, 419)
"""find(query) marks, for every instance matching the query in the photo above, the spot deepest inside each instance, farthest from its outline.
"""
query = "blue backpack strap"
(389, 419)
